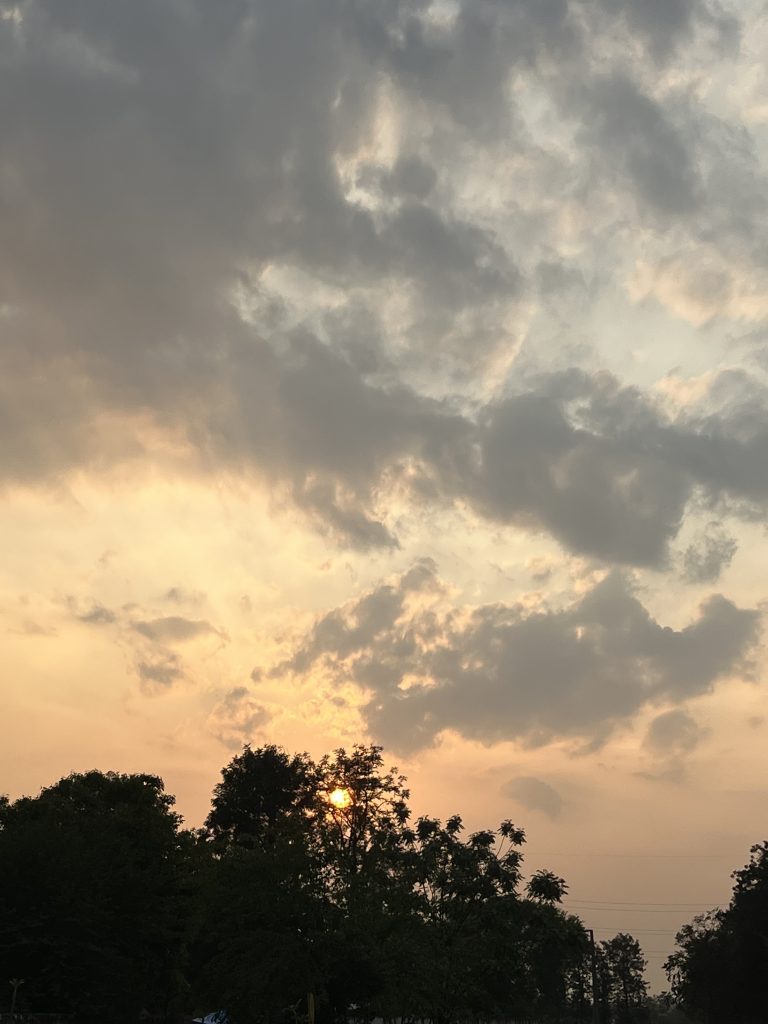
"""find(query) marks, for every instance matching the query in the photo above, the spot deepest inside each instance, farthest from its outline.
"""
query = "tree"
(258, 905)
(362, 809)
(625, 967)
(358, 842)
(92, 902)
(698, 970)
(464, 891)
(719, 970)
(746, 924)
(299, 894)
(557, 952)
(661, 1009)
(254, 946)
(547, 887)
(262, 793)
(316, 881)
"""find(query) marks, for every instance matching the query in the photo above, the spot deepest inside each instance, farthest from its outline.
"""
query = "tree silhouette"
(719, 970)
(93, 897)
(309, 893)
(262, 792)
(625, 965)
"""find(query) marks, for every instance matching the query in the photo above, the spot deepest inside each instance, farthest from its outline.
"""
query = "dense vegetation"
(719, 971)
(310, 894)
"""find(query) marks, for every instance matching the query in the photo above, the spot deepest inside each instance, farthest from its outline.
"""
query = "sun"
(340, 798)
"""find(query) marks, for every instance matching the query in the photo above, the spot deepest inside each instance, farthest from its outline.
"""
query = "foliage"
(546, 887)
(358, 844)
(624, 985)
(719, 970)
(262, 794)
(252, 948)
(308, 886)
(661, 1009)
(93, 894)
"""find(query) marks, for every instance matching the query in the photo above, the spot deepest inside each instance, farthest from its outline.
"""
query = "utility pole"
(593, 959)
(15, 982)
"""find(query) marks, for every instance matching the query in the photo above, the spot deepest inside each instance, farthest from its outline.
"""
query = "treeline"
(719, 971)
(310, 894)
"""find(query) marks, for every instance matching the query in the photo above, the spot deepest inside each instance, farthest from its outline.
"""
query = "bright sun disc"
(340, 798)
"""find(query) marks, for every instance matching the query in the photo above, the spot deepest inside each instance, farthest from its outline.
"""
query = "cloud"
(150, 641)
(586, 475)
(673, 733)
(238, 718)
(505, 672)
(663, 22)
(183, 596)
(160, 671)
(410, 176)
(345, 632)
(157, 664)
(602, 468)
(31, 628)
(670, 738)
(174, 629)
(314, 292)
(98, 615)
(535, 795)
(711, 552)
(640, 141)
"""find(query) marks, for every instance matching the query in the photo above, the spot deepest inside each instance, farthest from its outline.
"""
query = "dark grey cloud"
(160, 672)
(154, 163)
(346, 632)
(410, 176)
(664, 24)
(501, 672)
(238, 718)
(98, 615)
(174, 629)
(673, 733)
(642, 143)
(671, 737)
(535, 795)
(711, 552)
(587, 474)
(601, 468)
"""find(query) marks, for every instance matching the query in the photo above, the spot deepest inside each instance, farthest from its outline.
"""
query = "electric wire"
(645, 903)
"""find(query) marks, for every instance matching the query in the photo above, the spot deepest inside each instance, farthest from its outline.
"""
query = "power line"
(624, 909)
(645, 903)
(642, 856)
(642, 931)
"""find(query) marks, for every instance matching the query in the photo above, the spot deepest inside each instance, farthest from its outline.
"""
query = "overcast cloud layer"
(387, 369)
(302, 241)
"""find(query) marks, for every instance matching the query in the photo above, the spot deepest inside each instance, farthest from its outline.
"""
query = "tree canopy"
(93, 899)
(311, 895)
(719, 970)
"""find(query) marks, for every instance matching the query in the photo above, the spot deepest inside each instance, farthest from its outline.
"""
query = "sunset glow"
(340, 798)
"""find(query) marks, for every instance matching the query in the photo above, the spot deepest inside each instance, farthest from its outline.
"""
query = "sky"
(395, 371)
